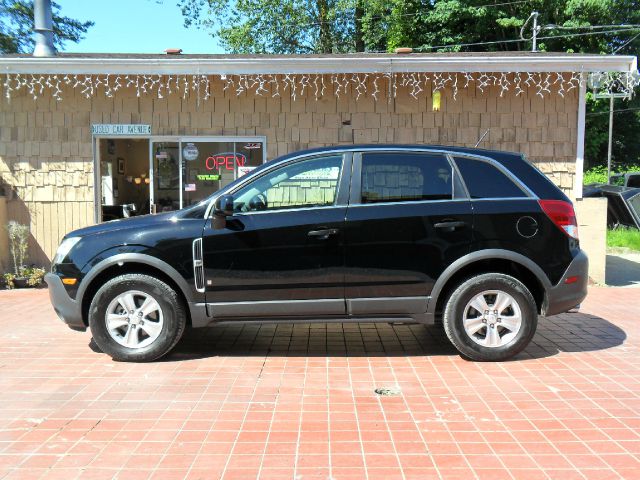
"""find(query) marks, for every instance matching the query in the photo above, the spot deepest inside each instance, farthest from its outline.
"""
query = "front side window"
(404, 177)
(484, 180)
(305, 184)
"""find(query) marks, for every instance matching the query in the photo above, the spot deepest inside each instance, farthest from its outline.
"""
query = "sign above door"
(120, 129)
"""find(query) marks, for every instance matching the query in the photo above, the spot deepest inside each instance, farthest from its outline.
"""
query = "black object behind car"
(116, 212)
(623, 207)
(629, 179)
(480, 239)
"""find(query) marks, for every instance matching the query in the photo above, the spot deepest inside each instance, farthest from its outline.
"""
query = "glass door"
(211, 164)
(166, 191)
(187, 170)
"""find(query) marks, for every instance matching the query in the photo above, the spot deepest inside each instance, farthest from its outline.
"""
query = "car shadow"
(568, 332)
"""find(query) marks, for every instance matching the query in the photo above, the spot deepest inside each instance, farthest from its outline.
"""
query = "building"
(81, 135)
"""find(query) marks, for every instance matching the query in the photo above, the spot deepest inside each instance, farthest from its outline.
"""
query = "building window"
(152, 175)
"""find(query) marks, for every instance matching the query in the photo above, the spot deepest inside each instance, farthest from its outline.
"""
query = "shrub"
(18, 237)
(18, 243)
(34, 276)
(598, 174)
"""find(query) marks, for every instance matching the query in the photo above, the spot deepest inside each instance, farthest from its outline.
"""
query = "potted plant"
(22, 276)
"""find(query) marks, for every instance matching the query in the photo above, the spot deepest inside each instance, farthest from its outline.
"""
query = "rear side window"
(405, 177)
(483, 180)
(634, 181)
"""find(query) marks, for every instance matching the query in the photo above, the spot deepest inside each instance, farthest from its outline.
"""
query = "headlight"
(64, 248)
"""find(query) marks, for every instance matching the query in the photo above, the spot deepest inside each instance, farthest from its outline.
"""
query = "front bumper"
(565, 296)
(67, 309)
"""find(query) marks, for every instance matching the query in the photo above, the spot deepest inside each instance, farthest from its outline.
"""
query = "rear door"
(408, 219)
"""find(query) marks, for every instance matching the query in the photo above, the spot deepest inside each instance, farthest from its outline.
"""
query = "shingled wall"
(46, 153)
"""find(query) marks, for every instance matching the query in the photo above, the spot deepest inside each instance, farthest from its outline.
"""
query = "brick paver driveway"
(298, 402)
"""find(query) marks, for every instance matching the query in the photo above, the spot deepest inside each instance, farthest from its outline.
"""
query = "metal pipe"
(535, 31)
(43, 28)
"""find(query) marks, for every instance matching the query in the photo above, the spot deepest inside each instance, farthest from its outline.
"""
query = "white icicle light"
(314, 85)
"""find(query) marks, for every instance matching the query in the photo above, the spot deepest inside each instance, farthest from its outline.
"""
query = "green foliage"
(598, 174)
(34, 276)
(324, 26)
(624, 237)
(275, 26)
(16, 26)
(626, 124)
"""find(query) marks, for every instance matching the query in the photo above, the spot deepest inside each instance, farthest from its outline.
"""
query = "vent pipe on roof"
(43, 28)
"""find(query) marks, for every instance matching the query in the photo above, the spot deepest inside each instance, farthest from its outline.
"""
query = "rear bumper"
(67, 309)
(565, 296)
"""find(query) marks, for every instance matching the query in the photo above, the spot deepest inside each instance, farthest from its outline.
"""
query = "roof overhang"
(328, 64)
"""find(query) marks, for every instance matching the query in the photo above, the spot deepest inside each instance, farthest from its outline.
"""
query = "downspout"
(43, 28)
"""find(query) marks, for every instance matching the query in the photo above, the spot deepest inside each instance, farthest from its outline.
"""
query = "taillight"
(562, 214)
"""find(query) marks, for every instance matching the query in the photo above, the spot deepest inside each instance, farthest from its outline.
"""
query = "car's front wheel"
(136, 318)
(490, 317)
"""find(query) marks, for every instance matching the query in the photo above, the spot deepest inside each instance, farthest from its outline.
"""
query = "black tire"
(455, 310)
(171, 307)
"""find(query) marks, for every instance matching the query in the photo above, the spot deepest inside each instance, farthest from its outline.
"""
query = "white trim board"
(177, 65)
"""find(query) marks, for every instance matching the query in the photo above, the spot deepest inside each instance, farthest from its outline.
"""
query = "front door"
(165, 158)
(408, 219)
(281, 253)
(210, 164)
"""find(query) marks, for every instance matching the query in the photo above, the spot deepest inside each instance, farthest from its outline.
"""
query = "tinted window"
(398, 177)
(309, 183)
(483, 180)
(634, 203)
(634, 181)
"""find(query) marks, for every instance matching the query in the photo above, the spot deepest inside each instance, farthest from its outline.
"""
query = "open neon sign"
(228, 161)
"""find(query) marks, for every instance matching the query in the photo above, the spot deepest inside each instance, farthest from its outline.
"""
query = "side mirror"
(223, 206)
(222, 209)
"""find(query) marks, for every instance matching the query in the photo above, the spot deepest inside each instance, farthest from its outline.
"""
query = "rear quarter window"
(484, 180)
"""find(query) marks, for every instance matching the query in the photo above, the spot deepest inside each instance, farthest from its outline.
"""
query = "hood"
(139, 222)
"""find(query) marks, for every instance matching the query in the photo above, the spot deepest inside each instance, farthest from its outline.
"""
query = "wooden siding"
(46, 146)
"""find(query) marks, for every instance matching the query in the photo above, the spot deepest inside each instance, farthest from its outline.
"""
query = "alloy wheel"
(134, 319)
(492, 318)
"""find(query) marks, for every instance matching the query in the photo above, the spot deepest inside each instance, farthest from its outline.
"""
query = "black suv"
(478, 240)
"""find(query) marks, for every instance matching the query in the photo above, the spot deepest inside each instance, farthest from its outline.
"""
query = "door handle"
(450, 226)
(323, 234)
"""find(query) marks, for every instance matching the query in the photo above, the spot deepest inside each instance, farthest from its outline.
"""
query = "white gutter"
(322, 64)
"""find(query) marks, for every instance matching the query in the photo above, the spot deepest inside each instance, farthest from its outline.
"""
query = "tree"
(456, 25)
(278, 26)
(323, 26)
(16, 26)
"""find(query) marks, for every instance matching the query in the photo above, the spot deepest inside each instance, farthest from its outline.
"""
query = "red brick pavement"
(285, 402)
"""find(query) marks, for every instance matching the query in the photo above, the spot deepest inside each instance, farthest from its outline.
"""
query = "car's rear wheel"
(136, 318)
(490, 317)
